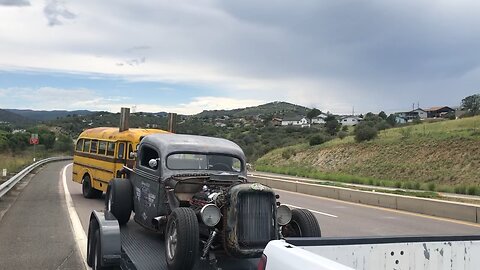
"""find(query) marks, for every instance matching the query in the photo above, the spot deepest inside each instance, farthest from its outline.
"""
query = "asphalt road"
(336, 218)
(36, 232)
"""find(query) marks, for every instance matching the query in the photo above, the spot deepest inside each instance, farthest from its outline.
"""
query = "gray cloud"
(332, 54)
(17, 3)
(55, 11)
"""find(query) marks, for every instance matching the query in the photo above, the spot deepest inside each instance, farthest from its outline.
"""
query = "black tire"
(119, 199)
(303, 224)
(92, 230)
(87, 190)
(97, 254)
(181, 239)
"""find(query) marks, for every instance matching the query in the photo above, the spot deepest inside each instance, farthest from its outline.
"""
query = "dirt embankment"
(449, 161)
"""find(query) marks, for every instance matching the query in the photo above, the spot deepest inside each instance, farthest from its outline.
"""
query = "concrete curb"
(432, 207)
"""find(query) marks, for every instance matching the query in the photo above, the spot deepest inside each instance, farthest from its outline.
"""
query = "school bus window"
(102, 147)
(121, 150)
(93, 148)
(130, 150)
(111, 149)
(86, 146)
(79, 146)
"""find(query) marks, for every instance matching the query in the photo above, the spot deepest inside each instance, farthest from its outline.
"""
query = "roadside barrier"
(10, 183)
(431, 207)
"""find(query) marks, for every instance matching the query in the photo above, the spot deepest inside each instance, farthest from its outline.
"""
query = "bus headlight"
(210, 215)
(284, 215)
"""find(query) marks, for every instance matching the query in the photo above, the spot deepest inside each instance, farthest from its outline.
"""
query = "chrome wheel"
(172, 240)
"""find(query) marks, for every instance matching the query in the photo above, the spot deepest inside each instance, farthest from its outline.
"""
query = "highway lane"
(35, 230)
(336, 218)
(36, 233)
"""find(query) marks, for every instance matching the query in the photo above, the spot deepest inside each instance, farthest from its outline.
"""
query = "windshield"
(215, 162)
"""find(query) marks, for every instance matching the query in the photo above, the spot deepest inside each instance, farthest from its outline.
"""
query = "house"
(350, 120)
(296, 121)
(318, 120)
(400, 120)
(413, 114)
(276, 121)
(439, 112)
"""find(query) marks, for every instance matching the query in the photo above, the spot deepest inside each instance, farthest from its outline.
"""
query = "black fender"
(110, 238)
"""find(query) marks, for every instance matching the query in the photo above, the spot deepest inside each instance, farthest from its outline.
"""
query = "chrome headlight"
(284, 215)
(210, 215)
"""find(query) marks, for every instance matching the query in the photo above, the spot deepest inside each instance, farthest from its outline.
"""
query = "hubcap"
(172, 240)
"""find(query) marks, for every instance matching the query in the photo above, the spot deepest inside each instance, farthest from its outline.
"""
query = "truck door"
(146, 186)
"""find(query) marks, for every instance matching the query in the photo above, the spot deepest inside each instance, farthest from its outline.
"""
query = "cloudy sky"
(187, 56)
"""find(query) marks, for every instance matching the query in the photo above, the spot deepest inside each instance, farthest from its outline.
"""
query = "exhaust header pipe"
(172, 122)
(124, 116)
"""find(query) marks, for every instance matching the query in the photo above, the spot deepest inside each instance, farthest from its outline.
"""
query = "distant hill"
(13, 118)
(48, 115)
(277, 108)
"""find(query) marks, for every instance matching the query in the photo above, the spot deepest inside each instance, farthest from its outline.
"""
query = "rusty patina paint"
(231, 243)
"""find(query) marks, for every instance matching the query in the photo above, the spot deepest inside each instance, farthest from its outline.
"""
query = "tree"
(472, 104)
(318, 139)
(332, 125)
(18, 141)
(313, 113)
(47, 139)
(382, 115)
(365, 132)
(391, 119)
(64, 144)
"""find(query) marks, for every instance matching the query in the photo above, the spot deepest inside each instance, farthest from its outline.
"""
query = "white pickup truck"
(376, 253)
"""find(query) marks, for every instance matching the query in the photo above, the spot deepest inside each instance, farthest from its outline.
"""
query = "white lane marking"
(78, 232)
(314, 211)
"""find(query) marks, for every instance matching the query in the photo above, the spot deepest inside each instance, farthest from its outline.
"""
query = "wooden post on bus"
(124, 115)
(172, 122)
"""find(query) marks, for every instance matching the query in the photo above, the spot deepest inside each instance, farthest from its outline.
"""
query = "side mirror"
(153, 163)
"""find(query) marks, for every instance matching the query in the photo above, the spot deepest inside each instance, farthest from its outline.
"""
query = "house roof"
(432, 109)
(350, 116)
(295, 118)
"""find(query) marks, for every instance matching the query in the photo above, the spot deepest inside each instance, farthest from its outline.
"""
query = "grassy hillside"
(277, 108)
(437, 156)
(47, 115)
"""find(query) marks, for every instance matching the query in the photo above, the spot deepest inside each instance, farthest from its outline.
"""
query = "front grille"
(255, 219)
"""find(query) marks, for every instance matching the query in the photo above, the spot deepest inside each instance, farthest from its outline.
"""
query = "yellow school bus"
(100, 154)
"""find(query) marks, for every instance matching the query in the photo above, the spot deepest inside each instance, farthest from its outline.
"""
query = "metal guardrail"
(10, 183)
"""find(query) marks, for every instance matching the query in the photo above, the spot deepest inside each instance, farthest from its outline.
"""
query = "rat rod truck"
(191, 191)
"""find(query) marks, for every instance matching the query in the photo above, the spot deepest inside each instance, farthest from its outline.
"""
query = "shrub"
(342, 134)
(382, 125)
(461, 189)
(365, 132)
(345, 128)
(431, 186)
(288, 153)
(407, 185)
(472, 190)
(416, 185)
(398, 184)
(318, 139)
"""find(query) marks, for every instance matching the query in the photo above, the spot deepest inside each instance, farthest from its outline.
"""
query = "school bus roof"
(112, 133)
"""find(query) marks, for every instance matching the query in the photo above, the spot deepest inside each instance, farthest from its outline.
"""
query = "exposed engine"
(215, 195)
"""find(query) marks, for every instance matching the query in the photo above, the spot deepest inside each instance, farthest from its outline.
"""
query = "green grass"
(15, 163)
(443, 156)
